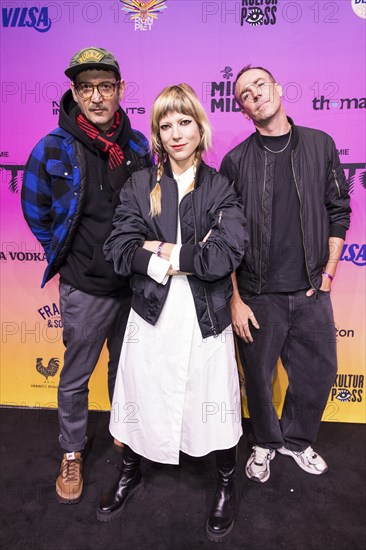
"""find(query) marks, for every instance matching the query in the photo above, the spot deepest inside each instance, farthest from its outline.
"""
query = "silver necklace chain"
(281, 150)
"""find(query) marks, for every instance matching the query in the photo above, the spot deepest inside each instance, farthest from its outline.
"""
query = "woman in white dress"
(179, 232)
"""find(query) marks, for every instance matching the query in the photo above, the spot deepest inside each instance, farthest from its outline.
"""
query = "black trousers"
(301, 331)
(89, 321)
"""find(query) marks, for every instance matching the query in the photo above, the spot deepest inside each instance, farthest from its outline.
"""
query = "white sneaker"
(308, 460)
(257, 467)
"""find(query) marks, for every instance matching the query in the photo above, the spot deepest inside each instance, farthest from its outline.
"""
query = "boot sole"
(102, 516)
(68, 500)
(213, 536)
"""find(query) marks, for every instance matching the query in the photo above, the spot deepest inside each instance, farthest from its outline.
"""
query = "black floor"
(292, 511)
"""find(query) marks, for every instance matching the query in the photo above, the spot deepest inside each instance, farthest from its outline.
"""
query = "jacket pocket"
(58, 168)
(339, 182)
(62, 182)
(138, 283)
(99, 267)
(221, 292)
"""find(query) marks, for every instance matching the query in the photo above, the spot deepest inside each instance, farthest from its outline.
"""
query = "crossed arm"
(165, 252)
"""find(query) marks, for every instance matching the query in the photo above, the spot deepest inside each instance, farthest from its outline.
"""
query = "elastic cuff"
(141, 260)
(337, 231)
(186, 258)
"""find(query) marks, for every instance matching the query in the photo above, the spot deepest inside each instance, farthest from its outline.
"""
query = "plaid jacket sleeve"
(140, 145)
(36, 196)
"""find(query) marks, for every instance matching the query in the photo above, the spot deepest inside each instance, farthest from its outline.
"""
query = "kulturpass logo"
(258, 12)
(32, 17)
(144, 13)
(348, 388)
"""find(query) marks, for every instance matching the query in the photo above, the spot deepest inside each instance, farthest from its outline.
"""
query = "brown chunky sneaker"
(69, 484)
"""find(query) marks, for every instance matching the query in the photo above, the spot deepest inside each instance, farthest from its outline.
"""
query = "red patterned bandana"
(102, 140)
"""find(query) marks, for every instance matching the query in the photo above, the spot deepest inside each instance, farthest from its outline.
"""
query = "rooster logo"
(50, 370)
(144, 9)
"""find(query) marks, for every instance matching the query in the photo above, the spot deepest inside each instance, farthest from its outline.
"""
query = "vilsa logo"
(27, 17)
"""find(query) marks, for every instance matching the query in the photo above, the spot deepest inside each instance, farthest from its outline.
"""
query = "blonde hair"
(182, 99)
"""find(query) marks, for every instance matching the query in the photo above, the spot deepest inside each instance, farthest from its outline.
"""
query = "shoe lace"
(71, 469)
(260, 454)
(309, 453)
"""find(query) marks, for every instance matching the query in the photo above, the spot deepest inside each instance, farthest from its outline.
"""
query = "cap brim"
(71, 72)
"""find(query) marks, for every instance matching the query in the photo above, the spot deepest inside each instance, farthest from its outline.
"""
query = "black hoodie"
(85, 267)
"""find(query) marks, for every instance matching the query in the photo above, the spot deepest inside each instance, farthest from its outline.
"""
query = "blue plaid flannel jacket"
(51, 190)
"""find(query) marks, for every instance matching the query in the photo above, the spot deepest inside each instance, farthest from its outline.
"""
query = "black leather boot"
(221, 518)
(130, 480)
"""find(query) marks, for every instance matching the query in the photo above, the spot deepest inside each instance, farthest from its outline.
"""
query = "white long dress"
(175, 391)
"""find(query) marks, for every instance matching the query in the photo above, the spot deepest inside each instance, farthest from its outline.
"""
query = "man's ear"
(121, 91)
(74, 93)
(279, 89)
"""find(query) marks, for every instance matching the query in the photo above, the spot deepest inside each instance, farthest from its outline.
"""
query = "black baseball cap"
(92, 58)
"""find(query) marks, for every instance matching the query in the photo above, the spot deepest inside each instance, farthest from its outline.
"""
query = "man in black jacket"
(71, 187)
(296, 203)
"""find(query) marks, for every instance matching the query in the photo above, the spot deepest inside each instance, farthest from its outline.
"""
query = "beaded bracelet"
(160, 246)
(328, 275)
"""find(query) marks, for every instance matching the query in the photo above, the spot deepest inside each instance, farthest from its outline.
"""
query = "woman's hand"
(165, 250)
(151, 246)
(173, 272)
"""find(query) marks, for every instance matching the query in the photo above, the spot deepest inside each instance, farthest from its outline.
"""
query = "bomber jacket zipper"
(336, 182)
(212, 327)
(261, 239)
(301, 220)
(219, 219)
(194, 219)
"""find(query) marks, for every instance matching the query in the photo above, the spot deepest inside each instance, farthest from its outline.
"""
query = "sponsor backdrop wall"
(315, 50)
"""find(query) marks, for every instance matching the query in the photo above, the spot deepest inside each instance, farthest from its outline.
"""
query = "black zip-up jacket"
(212, 205)
(323, 195)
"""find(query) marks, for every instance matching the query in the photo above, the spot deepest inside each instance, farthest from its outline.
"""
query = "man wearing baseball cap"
(71, 187)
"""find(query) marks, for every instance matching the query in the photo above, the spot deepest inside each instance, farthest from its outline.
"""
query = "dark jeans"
(301, 331)
(88, 322)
